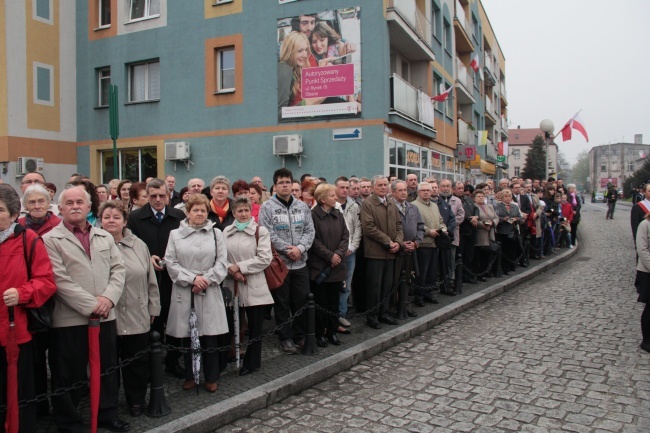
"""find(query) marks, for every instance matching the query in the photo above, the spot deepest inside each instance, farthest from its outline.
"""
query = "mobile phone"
(340, 60)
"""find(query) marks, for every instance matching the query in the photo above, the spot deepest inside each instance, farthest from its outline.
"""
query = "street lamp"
(547, 127)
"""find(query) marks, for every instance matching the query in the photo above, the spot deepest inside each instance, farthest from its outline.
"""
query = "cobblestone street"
(558, 353)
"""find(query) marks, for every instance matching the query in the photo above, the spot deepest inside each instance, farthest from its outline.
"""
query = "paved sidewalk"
(559, 353)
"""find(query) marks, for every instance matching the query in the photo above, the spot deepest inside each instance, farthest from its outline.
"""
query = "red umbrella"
(12, 350)
(93, 360)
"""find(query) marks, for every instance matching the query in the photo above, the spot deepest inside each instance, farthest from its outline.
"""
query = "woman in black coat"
(574, 199)
(326, 262)
(509, 216)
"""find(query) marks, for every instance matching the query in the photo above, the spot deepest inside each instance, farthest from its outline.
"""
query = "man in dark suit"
(152, 223)
(526, 207)
(174, 196)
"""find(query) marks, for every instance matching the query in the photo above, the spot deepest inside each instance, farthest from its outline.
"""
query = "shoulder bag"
(276, 271)
(38, 319)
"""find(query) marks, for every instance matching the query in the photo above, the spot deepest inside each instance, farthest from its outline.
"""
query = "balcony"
(462, 30)
(464, 92)
(490, 151)
(466, 135)
(409, 30)
(411, 107)
(489, 68)
(502, 92)
(490, 115)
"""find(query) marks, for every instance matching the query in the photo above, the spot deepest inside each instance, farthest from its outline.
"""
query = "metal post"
(459, 273)
(157, 403)
(402, 309)
(114, 124)
(548, 135)
(310, 339)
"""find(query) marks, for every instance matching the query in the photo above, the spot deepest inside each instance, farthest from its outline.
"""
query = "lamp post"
(547, 127)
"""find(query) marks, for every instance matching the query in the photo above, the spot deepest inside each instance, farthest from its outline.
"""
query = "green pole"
(114, 124)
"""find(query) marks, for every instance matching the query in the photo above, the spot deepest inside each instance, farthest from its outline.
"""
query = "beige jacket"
(140, 299)
(432, 221)
(79, 279)
(252, 260)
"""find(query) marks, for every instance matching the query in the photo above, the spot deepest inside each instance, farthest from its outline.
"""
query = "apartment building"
(203, 88)
(613, 163)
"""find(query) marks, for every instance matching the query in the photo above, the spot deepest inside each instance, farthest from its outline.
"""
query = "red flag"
(444, 95)
(576, 123)
(474, 63)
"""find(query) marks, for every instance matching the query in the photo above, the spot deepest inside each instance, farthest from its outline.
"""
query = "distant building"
(521, 140)
(614, 163)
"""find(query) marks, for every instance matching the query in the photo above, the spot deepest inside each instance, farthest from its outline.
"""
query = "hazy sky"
(566, 55)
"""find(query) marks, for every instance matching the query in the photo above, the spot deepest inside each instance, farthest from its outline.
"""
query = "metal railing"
(463, 76)
(405, 99)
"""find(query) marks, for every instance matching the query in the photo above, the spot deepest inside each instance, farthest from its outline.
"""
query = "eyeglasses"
(31, 181)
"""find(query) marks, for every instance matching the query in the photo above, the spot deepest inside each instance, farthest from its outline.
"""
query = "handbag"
(38, 319)
(443, 240)
(277, 270)
(493, 247)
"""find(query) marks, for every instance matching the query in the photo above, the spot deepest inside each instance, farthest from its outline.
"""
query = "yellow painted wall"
(213, 11)
(3, 72)
(43, 46)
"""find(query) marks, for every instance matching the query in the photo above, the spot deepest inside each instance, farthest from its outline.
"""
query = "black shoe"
(388, 320)
(418, 303)
(175, 370)
(411, 313)
(523, 265)
(645, 346)
(374, 324)
(136, 410)
(430, 299)
(450, 292)
(333, 339)
(116, 425)
(288, 347)
(244, 371)
(321, 341)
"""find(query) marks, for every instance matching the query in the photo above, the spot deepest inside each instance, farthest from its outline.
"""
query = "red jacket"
(567, 211)
(13, 273)
(49, 224)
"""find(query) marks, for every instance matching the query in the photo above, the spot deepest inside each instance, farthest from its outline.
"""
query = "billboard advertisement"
(319, 65)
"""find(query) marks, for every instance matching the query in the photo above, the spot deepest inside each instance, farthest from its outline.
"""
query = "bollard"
(402, 310)
(157, 402)
(310, 339)
(459, 273)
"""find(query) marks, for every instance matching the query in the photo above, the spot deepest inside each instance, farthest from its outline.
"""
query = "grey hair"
(157, 184)
(376, 178)
(393, 186)
(9, 196)
(571, 185)
(68, 188)
(421, 184)
(220, 179)
(36, 189)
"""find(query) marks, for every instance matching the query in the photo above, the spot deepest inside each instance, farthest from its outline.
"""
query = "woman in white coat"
(247, 259)
(196, 260)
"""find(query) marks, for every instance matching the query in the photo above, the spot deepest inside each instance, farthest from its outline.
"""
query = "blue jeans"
(345, 291)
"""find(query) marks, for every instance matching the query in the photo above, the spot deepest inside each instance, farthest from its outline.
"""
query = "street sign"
(501, 158)
(466, 153)
(347, 134)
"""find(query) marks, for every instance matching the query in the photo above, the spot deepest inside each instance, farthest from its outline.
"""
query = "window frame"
(50, 69)
(147, 97)
(100, 8)
(121, 162)
(100, 78)
(37, 17)
(516, 154)
(221, 2)
(146, 15)
(219, 70)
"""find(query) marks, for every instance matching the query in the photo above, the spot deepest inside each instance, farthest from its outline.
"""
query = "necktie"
(159, 215)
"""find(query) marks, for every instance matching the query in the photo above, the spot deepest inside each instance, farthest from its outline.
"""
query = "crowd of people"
(142, 256)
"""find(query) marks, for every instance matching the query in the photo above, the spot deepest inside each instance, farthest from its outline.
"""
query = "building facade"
(211, 73)
(613, 163)
(521, 140)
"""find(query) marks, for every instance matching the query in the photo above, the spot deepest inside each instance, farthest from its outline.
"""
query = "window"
(104, 13)
(144, 81)
(446, 36)
(516, 154)
(437, 81)
(450, 104)
(133, 164)
(103, 83)
(517, 171)
(43, 84)
(144, 9)
(435, 21)
(603, 168)
(226, 69)
(475, 29)
(42, 11)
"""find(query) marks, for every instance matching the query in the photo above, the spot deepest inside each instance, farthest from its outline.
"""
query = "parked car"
(600, 198)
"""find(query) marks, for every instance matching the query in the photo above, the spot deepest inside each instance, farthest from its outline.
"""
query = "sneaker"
(344, 322)
(570, 247)
(288, 347)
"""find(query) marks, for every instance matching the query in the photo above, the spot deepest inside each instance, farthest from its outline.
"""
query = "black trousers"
(68, 365)
(428, 268)
(379, 278)
(40, 346)
(135, 375)
(327, 296)
(358, 289)
(509, 250)
(255, 316)
(210, 363)
(466, 251)
(403, 268)
(27, 414)
(289, 298)
(574, 233)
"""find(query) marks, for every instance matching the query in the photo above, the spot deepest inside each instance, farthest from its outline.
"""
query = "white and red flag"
(474, 63)
(442, 97)
(576, 123)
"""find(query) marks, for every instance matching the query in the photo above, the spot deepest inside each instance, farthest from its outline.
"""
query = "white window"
(104, 13)
(144, 9)
(144, 81)
(42, 11)
(226, 69)
(516, 154)
(517, 171)
(43, 84)
(103, 83)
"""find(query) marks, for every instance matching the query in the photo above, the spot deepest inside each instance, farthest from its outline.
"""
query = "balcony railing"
(488, 106)
(460, 14)
(464, 78)
(502, 89)
(490, 151)
(408, 10)
(504, 123)
(411, 102)
(465, 134)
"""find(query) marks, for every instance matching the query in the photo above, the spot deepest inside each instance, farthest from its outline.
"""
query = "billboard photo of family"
(319, 65)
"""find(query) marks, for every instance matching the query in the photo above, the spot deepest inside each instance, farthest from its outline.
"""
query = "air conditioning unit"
(27, 164)
(177, 151)
(287, 144)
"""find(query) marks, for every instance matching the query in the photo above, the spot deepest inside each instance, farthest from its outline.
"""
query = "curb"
(244, 404)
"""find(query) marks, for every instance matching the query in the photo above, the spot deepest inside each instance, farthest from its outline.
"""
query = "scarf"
(221, 212)
(241, 226)
(573, 200)
(35, 225)
(6, 233)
